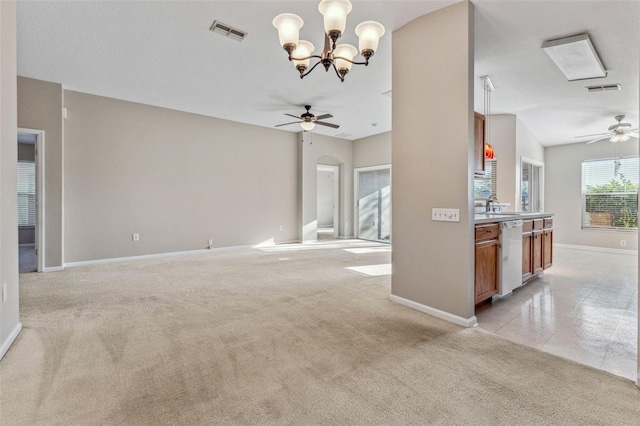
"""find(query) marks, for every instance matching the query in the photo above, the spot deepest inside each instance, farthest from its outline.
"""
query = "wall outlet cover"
(5, 292)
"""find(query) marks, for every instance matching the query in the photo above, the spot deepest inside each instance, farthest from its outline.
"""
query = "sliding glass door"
(373, 203)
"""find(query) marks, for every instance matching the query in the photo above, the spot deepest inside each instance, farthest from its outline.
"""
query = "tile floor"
(27, 259)
(584, 308)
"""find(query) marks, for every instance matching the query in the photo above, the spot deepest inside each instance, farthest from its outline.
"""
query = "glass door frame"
(356, 209)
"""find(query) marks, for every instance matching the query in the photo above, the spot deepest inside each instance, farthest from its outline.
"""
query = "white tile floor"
(584, 308)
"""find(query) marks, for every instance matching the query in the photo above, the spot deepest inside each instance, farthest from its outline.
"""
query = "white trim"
(151, 256)
(10, 339)
(455, 319)
(600, 249)
(336, 196)
(53, 269)
(540, 184)
(40, 195)
(347, 237)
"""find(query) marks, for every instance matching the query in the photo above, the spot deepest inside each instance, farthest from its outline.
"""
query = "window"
(484, 186)
(26, 193)
(610, 193)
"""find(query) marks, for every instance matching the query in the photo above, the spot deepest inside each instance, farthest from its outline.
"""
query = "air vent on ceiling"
(227, 30)
(602, 88)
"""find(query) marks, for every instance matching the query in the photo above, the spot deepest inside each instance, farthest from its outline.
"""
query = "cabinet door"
(536, 253)
(547, 248)
(486, 270)
(527, 270)
(478, 145)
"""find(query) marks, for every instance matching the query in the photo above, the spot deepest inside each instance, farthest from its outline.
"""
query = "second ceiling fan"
(619, 132)
(308, 121)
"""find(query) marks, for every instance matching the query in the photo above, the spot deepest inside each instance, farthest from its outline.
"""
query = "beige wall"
(433, 261)
(9, 321)
(40, 108)
(563, 193)
(372, 151)
(177, 179)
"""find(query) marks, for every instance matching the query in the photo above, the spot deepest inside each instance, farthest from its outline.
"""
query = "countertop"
(501, 217)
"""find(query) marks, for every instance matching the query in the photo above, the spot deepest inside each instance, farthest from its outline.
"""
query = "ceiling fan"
(619, 132)
(308, 121)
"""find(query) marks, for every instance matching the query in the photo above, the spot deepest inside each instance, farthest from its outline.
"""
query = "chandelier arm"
(365, 63)
(291, 58)
(336, 70)
(310, 69)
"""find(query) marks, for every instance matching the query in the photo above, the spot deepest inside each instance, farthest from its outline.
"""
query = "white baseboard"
(346, 237)
(10, 339)
(600, 249)
(455, 319)
(53, 269)
(150, 256)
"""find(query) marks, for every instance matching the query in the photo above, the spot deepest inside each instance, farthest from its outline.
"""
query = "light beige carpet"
(282, 336)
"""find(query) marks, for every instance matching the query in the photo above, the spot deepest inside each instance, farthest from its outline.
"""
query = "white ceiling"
(163, 54)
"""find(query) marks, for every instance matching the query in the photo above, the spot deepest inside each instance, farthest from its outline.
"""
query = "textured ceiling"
(163, 54)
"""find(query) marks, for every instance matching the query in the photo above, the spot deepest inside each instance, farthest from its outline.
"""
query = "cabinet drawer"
(527, 226)
(489, 231)
(538, 223)
(548, 223)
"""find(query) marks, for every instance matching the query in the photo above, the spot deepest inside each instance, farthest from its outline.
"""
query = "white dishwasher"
(510, 256)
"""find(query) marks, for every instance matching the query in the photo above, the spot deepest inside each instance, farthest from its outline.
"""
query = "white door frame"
(356, 208)
(40, 198)
(541, 183)
(336, 195)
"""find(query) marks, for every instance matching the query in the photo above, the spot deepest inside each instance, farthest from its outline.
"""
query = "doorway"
(30, 188)
(373, 203)
(328, 186)
(531, 185)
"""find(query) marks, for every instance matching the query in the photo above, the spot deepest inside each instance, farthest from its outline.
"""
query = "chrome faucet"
(491, 198)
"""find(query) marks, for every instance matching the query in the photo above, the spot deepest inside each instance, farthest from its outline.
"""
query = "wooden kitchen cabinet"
(547, 248)
(478, 144)
(537, 247)
(536, 252)
(487, 252)
(527, 238)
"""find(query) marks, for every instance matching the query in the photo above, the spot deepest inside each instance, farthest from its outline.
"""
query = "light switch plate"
(445, 215)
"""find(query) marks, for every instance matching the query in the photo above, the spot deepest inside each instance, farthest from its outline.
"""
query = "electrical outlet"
(136, 237)
(210, 243)
(280, 228)
(5, 292)
(623, 243)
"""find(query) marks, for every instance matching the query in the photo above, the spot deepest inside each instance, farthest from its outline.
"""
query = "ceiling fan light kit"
(339, 57)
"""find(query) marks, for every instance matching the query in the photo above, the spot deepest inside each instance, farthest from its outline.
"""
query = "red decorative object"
(488, 151)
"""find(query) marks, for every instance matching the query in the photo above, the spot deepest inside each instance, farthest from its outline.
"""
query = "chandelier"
(339, 57)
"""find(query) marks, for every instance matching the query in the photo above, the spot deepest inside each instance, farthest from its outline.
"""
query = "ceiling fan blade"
(590, 136)
(633, 134)
(322, 123)
(286, 124)
(294, 116)
(323, 116)
(599, 139)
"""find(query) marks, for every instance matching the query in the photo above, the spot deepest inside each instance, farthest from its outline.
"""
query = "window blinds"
(26, 193)
(486, 185)
(610, 193)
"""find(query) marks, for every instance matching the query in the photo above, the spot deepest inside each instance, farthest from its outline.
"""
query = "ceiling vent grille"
(602, 88)
(227, 31)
